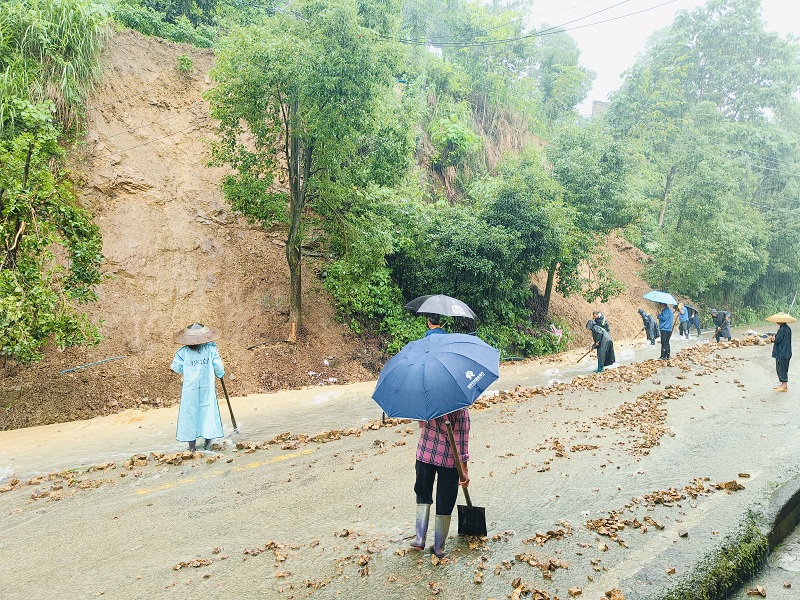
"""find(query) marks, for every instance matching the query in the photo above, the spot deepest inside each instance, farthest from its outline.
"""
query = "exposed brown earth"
(176, 253)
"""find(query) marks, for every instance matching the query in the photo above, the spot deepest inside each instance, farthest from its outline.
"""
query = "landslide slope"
(176, 253)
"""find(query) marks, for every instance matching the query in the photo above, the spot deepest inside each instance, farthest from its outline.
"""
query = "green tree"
(295, 96)
(51, 251)
(38, 213)
(593, 170)
(710, 119)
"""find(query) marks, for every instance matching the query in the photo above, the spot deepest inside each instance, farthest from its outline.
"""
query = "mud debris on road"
(572, 475)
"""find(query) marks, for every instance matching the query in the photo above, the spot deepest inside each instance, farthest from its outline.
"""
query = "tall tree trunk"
(299, 165)
(665, 197)
(548, 289)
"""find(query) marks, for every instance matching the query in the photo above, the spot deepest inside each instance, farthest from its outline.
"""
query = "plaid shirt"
(434, 448)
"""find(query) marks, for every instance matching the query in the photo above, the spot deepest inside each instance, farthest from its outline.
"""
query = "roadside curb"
(739, 556)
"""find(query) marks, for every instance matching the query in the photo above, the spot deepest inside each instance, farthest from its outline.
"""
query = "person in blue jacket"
(199, 362)
(665, 324)
(782, 353)
(683, 320)
(434, 325)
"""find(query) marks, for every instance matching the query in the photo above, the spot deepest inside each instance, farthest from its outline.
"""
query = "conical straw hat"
(195, 334)
(781, 317)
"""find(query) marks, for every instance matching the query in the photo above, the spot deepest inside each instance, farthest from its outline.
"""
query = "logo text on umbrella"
(474, 378)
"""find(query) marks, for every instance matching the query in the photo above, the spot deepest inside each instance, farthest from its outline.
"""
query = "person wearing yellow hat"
(199, 362)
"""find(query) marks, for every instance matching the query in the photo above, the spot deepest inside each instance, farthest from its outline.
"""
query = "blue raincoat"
(198, 414)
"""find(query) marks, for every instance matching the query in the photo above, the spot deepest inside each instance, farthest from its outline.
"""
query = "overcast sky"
(610, 48)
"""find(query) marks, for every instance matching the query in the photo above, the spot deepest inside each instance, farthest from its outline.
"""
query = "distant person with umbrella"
(199, 362)
(601, 320)
(666, 318)
(782, 348)
(604, 345)
(722, 322)
(683, 320)
(650, 326)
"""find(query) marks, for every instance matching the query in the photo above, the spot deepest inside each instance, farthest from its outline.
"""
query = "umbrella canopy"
(436, 375)
(439, 304)
(660, 297)
(781, 317)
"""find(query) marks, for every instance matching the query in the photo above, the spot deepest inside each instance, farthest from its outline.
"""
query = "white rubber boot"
(440, 531)
(423, 515)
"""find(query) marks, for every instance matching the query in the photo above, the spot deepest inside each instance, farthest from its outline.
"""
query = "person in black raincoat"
(722, 324)
(601, 320)
(604, 345)
(782, 353)
(650, 326)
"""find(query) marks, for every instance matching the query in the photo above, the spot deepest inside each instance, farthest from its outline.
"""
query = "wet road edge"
(737, 558)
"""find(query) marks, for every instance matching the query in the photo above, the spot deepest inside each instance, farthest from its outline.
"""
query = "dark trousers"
(683, 328)
(446, 486)
(665, 335)
(782, 367)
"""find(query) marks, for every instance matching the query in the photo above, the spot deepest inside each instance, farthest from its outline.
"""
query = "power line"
(540, 15)
(163, 137)
(177, 114)
(548, 31)
(117, 100)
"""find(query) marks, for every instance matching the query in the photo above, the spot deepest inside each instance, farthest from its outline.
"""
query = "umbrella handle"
(451, 438)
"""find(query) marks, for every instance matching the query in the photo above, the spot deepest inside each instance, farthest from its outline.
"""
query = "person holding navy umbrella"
(665, 323)
(433, 380)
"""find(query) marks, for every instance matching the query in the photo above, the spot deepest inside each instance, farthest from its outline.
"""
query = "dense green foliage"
(712, 110)
(189, 22)
(50, 260)
(436, 147)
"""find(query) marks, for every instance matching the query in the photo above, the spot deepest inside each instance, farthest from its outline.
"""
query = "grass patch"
(725, 568)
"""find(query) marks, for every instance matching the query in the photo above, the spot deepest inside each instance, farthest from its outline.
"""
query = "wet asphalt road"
(331, 520)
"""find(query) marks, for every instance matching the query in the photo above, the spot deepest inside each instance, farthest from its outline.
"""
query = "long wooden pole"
(230, 408)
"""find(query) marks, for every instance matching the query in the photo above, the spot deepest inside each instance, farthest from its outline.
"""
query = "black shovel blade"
(471, 520)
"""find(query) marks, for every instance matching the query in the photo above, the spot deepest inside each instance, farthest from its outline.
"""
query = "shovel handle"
(585, 355)
(228, 400)
(451, 438)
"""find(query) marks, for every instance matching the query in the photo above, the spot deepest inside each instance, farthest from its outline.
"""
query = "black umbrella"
(439, 304)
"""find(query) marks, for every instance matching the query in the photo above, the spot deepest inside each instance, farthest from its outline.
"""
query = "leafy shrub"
(374, 302)
(185, 64)
(454, 140)
(148, 21)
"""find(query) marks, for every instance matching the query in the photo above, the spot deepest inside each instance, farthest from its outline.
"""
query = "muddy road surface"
(591, 483)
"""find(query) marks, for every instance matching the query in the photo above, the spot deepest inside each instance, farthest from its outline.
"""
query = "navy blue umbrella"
(436, 375)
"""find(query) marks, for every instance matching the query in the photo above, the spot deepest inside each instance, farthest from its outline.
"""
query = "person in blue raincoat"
(199, 362)
(683, 321)
(782, 353)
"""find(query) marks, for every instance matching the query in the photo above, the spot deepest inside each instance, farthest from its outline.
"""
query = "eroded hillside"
(175, 253)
